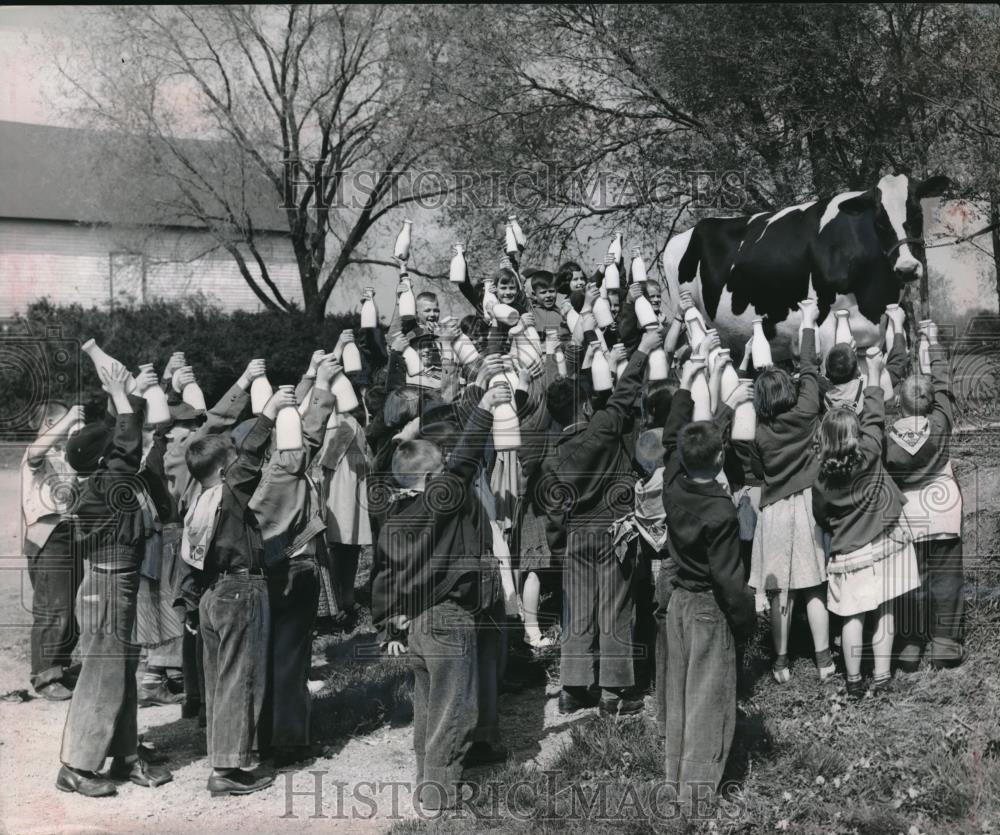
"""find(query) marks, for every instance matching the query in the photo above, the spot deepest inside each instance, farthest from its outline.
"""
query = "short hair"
(916, 395)
(774, 392)
(204, 455)
(838, 444)
(427, 296)
(542, 280)
(564, 399)
(444, 434)
(841, 364)
(401, 406)
(699, 445)
(413, 460)
(649, 451)
(656, 400)
(653, 284)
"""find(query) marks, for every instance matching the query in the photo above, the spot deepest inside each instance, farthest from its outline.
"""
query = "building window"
(127, 278)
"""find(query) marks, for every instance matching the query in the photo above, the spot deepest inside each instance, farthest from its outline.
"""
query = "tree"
(331, 113)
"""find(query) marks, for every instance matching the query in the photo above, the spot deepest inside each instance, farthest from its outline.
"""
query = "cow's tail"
(674, 251)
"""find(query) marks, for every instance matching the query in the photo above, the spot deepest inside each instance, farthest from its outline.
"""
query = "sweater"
(856, 510)
(703, 532)
(917, 450)
(781, 454)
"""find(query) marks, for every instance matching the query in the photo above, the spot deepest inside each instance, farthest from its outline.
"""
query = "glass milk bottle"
(401, 250)
(288, 425)
(700, 393)
(760, 349)
(260, 393)
(102, 361)
(369, 313)
(457, 270)
(600, 372)
(638, 265)
(805, 303)
(842, 327)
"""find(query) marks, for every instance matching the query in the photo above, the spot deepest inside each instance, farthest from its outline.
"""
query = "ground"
(922, 760)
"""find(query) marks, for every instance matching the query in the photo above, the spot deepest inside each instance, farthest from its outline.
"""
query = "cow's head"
(899, 219)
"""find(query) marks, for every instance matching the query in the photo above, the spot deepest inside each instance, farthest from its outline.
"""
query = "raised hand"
(399, 343)
(635, 291)
(176, 361)
(743, 393)
(279, 400)
(145, 380)
(327, 370)
(314, 361)
(495, 396)
(115, 379)
(617, 354)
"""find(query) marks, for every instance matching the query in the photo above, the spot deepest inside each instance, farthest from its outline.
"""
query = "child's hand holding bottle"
(279, 400)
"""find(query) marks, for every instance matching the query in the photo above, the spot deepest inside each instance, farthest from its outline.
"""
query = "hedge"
(40, 357)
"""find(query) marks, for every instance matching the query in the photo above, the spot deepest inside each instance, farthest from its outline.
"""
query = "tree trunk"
(995, 236)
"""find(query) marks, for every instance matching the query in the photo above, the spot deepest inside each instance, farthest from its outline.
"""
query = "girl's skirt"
(787, 546)
(860, 581)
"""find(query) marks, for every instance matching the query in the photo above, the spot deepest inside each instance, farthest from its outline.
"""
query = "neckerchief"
(199, 526)
(911, 433)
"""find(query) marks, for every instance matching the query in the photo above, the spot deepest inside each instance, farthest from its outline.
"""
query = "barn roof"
(71, 174)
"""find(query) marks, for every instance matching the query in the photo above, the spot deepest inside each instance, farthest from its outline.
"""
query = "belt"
(109, 569)
(241, 572)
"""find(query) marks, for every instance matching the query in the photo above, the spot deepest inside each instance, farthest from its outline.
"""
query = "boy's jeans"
(55, 573)
(442, 649)
(103, 712)
(700, 694)
(234, 627)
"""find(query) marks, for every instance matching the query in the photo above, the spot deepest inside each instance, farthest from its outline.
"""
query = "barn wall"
(70, 263)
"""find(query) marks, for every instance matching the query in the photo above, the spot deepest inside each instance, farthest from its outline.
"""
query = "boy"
(114, 517)
(431, 545)
(709, 605)
(590, 462)
(290, 510)
(48, 550)
(224, 591)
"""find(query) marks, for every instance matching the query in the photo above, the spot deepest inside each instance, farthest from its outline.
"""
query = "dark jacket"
(587, 476)
(857, 509)
(110, 523)
(703, 533)
(431, 543)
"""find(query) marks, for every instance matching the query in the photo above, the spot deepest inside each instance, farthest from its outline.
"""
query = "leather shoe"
(55, 692)
(87, 784)
(158, 695)
(150, 756)
(482, 753)
(139, 772)
(577, 699)
(621, 707)
(238, 782)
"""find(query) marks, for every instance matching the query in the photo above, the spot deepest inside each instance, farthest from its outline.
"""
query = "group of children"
(527, 452)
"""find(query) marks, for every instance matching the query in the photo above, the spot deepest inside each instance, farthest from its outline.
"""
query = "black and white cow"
(854, 251)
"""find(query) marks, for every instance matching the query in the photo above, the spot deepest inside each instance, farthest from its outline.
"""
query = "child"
(225, 593)
(431, 545)
(872, 561)
(709, 608)
(114, 516)
(917, 458)
(48, 550)
(787, 555)
(290, 511)
(590, 462)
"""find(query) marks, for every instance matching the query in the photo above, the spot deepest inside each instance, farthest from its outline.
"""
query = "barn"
(62, 237)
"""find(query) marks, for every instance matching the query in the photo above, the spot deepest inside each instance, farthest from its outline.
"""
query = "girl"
(872, 561)
(916, 457)
(787, 555)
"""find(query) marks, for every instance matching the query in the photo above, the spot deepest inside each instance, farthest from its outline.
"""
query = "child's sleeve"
(628, 326)
(809, 399)
(872, 425)
(374, 351)
(467, 456)
(224, 414)
(243, 474)
(897, 363)
(321, 404)
(611, 419)
(125, 453)
(942, 416)
(726, 569)
(681, 413)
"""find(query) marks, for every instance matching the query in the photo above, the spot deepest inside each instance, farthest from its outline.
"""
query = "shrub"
(34, 365)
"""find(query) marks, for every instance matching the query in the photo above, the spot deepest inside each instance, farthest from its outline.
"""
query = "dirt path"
(366, 765)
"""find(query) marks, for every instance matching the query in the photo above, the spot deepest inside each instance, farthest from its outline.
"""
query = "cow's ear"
(858, 205)
(932, 187)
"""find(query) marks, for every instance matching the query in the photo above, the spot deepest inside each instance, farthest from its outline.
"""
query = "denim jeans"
(234, 627)
(700, 694)
(442, 649)
(293, 593)
(102, 715)
(491, 647)
(597, 613)
(55, 574)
